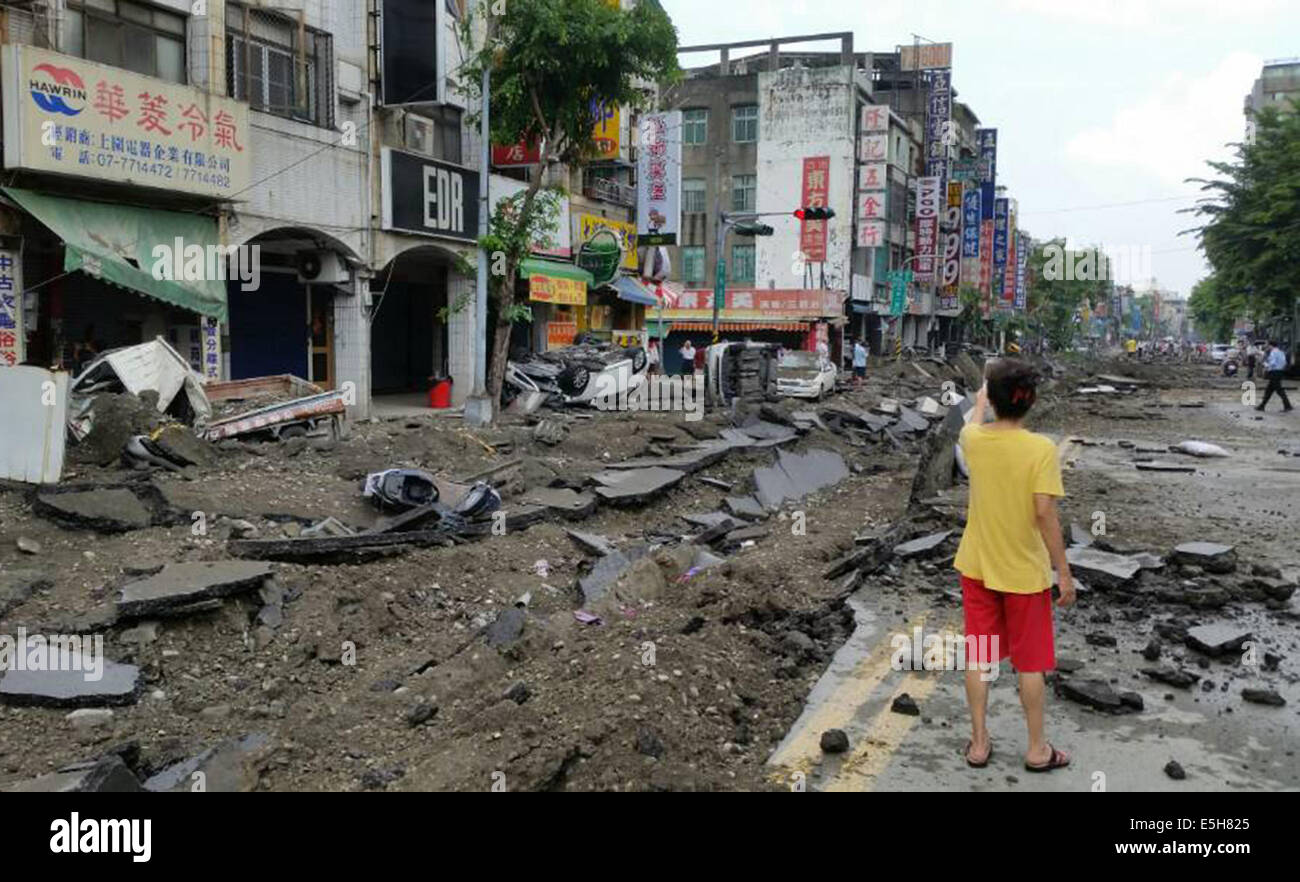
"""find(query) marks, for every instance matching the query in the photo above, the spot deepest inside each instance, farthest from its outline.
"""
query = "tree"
(1251, 234)
(554, 65)
(1214, 311)
(1060, 281)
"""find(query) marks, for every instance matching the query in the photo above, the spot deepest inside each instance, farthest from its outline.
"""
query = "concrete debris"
(1102, 568)
(183, 584)
(90, 717)
(330, 526)
(1080, 536)
(715, 482)
(1153, 465)
(1217, 639)
(1096, 694)
(708, 519)
(1171, 676)
(906, 705)
(1209, 556)
(564, 501)
(591, 543)
(104, 509)
(606, 570)
(794, 476)
(507, 627)
(550, 432)
(1175, 771)
(28, 546)
(117, 684)
(746, 507)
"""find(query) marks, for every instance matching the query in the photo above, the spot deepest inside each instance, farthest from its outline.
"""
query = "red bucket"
(440, 394)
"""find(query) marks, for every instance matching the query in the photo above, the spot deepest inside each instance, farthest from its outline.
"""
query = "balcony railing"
(608, 190)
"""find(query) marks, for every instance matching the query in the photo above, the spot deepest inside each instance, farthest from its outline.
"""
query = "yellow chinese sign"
(550, 289)
(71, 116)
(590, 224)
(606, 135)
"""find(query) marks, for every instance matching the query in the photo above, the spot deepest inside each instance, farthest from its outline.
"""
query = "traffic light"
(752, 229)
(814, 213)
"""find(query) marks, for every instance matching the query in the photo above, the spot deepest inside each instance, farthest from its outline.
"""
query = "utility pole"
(478, 407)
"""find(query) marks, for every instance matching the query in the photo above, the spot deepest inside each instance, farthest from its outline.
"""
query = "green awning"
(102, 240)
(532, 266)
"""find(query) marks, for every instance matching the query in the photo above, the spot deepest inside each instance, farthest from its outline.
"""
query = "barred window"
(742, 264)
(132, 36)
(693, 264)
(693, 195)
(279, 66)
(695, 126)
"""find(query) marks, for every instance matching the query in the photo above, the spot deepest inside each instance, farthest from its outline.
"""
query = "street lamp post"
(731, 220)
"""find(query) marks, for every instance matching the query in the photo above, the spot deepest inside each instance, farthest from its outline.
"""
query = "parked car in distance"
(1220, 351)
(801, 374)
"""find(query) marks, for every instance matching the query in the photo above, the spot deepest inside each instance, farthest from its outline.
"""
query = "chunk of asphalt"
(1172, 676)
(1212, 557)
(707, 519)
(1102, 568)
(795, 475)
(746, 507)
(117, 684)
(905, 704)
(636, 486)
(1080, 536)
(1175, 770)
(229, 767)
(925, 546)
(106, 510)
(1217, 639)
(834, 741)
(507, 627)
(604, 573)
(1096, 694)
(570, 503)
(591, 543)
(1263, 696)
(18, 585)
(1151, 652)
(179, 585)
(108, 774)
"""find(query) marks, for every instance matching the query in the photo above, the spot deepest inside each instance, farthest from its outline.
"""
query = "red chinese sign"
(516, 154)
(816, 190)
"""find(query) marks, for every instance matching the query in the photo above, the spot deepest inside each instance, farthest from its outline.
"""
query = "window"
(693, 195)
(693, 264)
(695, 126)
(277, 67)
(744, 123)
(744, 190)
(742, 264)
(128, 35)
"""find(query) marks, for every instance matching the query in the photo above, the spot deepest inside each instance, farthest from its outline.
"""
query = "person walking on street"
(859, 362)
(652, 356)
(1011, 541)
(1274, 368)
(1252, 356)
(688, 358)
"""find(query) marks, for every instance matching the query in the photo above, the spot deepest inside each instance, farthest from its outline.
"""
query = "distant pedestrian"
(1010, 544)
(859, 362)
(652, 356)
(1274, 368)
(687, 353)
(1252, 357)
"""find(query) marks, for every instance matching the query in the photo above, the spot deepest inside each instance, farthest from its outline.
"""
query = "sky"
(1103, 107)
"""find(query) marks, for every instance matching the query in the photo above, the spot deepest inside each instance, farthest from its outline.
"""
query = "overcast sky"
(1096, 102)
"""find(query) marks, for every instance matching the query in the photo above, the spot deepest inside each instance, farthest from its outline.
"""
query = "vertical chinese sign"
(605, 136)
(1001, 247)
(75, 117)
(938, 120)
(1023, 245)
(12, 341)
(211, 349)
(950, 275)
(929, 203)
(659, 179)
(1009, 275)
(970, 236)
(873, 188)
(816, 190)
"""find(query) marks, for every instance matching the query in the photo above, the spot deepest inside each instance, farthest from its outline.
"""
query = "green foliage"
(555, 62)
(520, 224)
(1054, 301)
(1215, 310)
(1251, 234)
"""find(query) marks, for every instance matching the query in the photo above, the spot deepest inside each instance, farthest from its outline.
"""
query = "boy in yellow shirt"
(1012, 539)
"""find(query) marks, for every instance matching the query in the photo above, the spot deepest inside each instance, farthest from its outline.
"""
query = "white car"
(801, 374)
(1220, 351)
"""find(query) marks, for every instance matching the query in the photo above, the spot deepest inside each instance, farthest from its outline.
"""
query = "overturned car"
(583, 373)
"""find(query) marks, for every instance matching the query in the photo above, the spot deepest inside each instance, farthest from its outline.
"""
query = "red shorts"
(1018, 626)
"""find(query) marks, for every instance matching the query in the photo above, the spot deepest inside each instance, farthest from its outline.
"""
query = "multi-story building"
(1278, 85)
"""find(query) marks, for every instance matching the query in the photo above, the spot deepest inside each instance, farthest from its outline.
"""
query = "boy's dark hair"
(1013, 388)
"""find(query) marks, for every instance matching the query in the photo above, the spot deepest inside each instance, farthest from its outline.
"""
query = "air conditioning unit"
(322, 268)
(419, 134)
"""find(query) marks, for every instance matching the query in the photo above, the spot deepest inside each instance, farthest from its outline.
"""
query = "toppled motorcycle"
(584, 373)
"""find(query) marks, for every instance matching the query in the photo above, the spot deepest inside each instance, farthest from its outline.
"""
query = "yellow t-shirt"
(1131, 346)
(1001, 544)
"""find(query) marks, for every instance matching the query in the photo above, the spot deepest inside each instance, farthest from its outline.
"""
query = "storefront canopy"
(532, 266)
(117, 243)
(632, 291)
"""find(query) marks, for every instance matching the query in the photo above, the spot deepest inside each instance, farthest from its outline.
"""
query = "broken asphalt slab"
(18, 585)
(922, 547)
(179, 585)
(116, 683)
(591, 543)
(1217, 639)
(108, 774)
(605, 572)
(1209, 556)
(636, 486)
(567, 502)
(1103, 569)
(103, 509)
(795, 475)
(230, 767)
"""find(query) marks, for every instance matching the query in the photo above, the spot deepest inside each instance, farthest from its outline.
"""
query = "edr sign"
(428, 197)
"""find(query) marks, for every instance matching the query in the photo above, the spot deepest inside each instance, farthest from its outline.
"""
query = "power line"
(1111, 205)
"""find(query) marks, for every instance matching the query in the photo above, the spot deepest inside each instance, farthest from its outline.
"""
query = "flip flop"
(1058, 760)
(975, 765)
